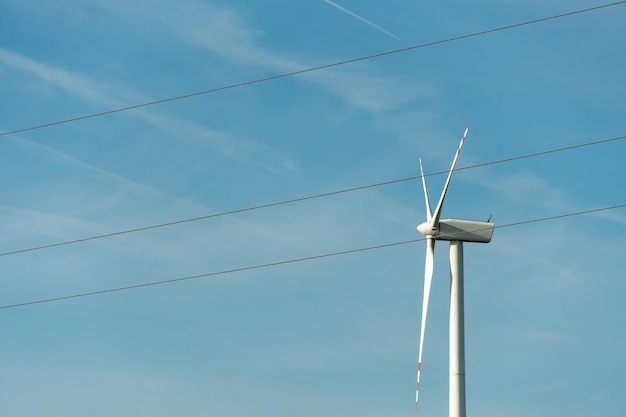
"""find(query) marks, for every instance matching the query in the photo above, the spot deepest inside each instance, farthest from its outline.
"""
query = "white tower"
(456, 231)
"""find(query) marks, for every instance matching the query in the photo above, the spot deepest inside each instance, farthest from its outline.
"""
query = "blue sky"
(333, 336)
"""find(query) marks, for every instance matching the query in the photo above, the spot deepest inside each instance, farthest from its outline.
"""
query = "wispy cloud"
(525, 187)
(362, 19)
(54, 154)
(97, 92)
(73, 83)
(223, 32)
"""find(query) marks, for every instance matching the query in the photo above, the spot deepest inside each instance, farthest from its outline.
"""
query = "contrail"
(343, 9)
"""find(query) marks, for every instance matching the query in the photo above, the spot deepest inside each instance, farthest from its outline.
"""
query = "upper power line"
(310, 197)
(311, 69)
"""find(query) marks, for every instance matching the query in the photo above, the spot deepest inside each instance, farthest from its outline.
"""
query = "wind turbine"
(456, 231)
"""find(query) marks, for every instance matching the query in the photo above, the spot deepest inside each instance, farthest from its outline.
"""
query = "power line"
(310, 197)
(284, 262)
(311, 69)
(540, 153)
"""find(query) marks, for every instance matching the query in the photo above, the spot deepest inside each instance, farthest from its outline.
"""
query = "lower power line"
(284, 262)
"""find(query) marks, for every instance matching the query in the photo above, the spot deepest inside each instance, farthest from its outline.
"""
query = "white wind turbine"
(456, 231)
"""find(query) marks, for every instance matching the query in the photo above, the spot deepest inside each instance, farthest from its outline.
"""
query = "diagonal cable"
(311, 69)
(310, 197)
(289, 261)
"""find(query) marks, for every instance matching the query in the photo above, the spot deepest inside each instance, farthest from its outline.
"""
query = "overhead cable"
(298, 199)
(311, 69)
(284, 262)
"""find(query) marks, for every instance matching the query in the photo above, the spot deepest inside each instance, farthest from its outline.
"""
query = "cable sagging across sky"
(288, 261)
(311, 69)
(305, 198)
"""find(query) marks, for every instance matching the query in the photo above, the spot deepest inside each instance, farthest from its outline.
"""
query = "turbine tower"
(455, 231)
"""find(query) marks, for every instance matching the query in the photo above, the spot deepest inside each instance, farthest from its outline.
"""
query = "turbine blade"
(429, 213)
(437, 213)
(428, 278)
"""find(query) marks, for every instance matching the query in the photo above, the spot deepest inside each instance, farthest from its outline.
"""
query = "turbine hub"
(427, 230)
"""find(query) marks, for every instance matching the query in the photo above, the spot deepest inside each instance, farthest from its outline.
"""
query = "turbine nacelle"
(457, 229)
